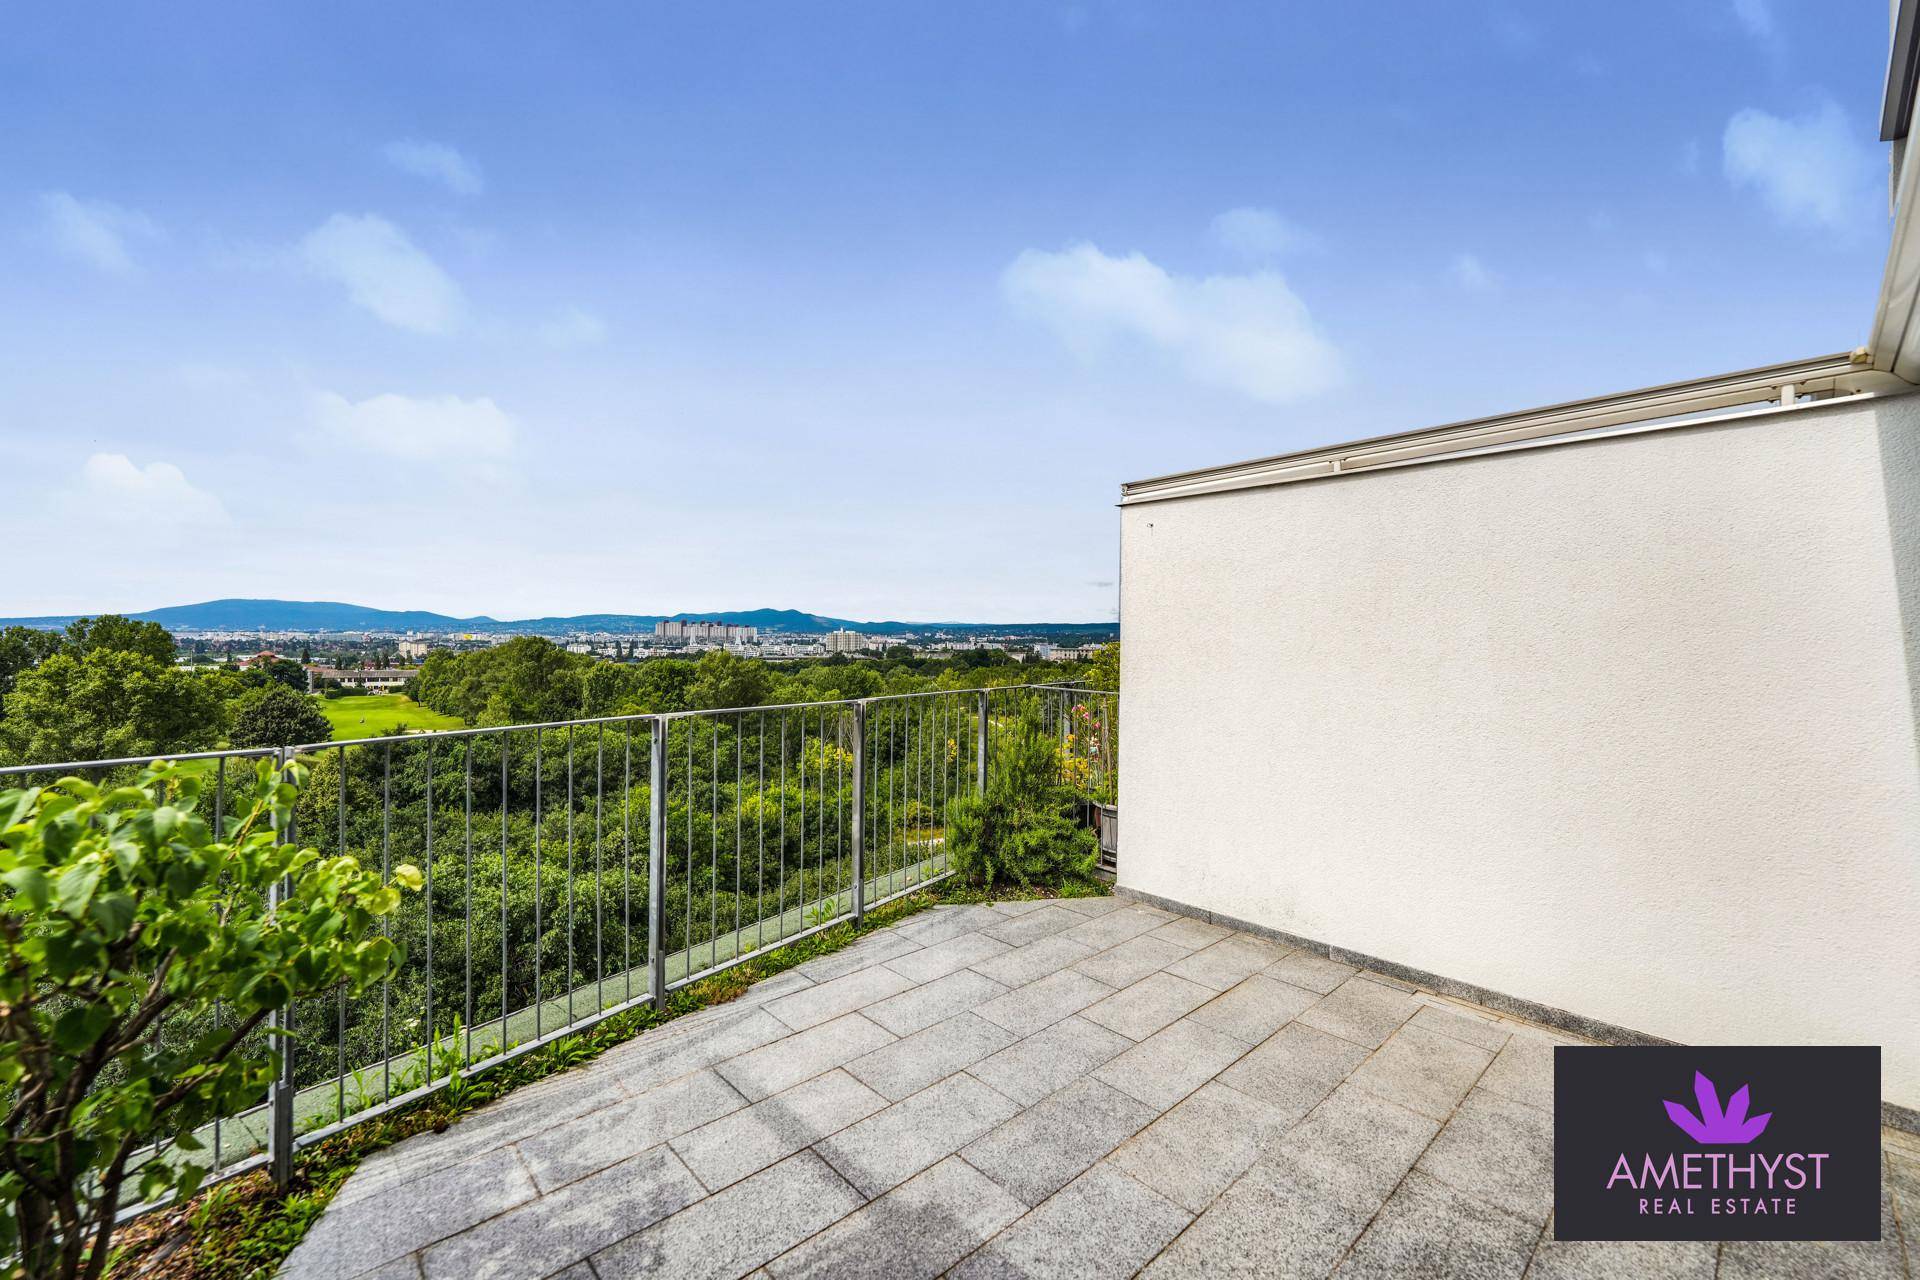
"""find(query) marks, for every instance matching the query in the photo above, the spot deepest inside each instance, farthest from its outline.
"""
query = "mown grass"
(376, 715)
(244, 1228)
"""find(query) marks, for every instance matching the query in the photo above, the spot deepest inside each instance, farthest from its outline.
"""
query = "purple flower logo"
(1714, 1126)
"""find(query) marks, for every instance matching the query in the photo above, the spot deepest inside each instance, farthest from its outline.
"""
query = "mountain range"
(329, 615)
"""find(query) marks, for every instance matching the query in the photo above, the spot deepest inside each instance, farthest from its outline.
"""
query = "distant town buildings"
(414, 650)
(363, 679)
(705, 632)
(844, 641)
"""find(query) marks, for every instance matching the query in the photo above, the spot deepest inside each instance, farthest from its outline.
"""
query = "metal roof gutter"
(1674, 404)
(1903, 72)
(1896, 319)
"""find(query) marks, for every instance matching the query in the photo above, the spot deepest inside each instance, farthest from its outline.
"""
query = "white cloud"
(384, 272)
(1472, 274)
(1249, 333)
(574, 328)
(112, 486)
(437, 162)
(443, 429)
(1259, 234)
(94, 231)
(1756, 16)
(1811, 172)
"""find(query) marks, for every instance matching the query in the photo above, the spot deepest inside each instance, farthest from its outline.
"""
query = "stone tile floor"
(1087, 1088)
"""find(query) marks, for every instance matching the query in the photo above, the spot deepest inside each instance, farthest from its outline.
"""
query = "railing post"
(980, 765)
(280, 1093)
(657, 865)
(859, 811)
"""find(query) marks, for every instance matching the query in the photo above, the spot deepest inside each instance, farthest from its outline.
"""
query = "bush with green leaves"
(1024, 829)
(141, 958)
(276, 716)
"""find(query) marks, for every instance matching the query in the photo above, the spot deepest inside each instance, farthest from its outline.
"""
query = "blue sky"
(861, 308)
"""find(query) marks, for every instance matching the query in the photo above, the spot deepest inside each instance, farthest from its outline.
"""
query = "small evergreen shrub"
(1024, 829)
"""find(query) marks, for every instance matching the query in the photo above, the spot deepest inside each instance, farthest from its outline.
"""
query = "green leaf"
(68, 953)
(15, 805)
(81, 1025)
(76, 886)
(114, 912)
(408, 876)
(30, 883)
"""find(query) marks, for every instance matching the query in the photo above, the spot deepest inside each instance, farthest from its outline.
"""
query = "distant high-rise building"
(705, 632)
(844, 641)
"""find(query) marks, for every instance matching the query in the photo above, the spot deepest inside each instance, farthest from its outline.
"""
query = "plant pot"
(1106, 825)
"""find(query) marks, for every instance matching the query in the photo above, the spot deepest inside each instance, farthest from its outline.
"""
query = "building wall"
(1624, 727)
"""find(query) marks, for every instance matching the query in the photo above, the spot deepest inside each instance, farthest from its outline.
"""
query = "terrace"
(1093, 1087)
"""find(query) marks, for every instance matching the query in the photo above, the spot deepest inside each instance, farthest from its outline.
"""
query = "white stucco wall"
(1623, 727)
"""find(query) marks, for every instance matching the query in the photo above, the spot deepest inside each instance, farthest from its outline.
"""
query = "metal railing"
(577, 869)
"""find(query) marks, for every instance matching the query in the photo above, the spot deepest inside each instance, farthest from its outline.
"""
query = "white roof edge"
(1841, 374)
(1895, 342)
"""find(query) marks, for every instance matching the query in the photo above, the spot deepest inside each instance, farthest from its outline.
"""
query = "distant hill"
(331, 615)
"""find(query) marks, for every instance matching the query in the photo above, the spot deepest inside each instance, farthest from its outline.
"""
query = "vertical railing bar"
(626, 864)
(820, 820)
(386, 922)
(687, 938)
(1106, 748)
(430, 1027)
(840, 811)
(920, 781)
(893, 776)
(504, 784)
(280, 1094)
(783, 826)
(980, 774)
(539, 939)
(657, 861)
(340, 1012)
(713, 846)
(571, 981)
(467, 1011)
(801, 764)
(220, 833)
(599, 859)
(859, 810)
(739, 742)
(760, 822)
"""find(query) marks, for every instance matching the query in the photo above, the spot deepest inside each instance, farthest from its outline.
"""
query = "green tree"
(104, 705)
(1103, 669)
(284, 671)
(23, 649)
(123, 911)
(276, 716)
(112, 633)
(723, 679)
(534, 680)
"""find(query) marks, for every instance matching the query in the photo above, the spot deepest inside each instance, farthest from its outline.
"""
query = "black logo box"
(1609, 1102)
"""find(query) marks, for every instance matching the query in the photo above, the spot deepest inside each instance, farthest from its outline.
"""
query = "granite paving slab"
(1125, 1093)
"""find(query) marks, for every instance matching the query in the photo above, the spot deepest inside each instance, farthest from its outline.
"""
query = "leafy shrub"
(276, 716)
(1023, 829)
(125, 914)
